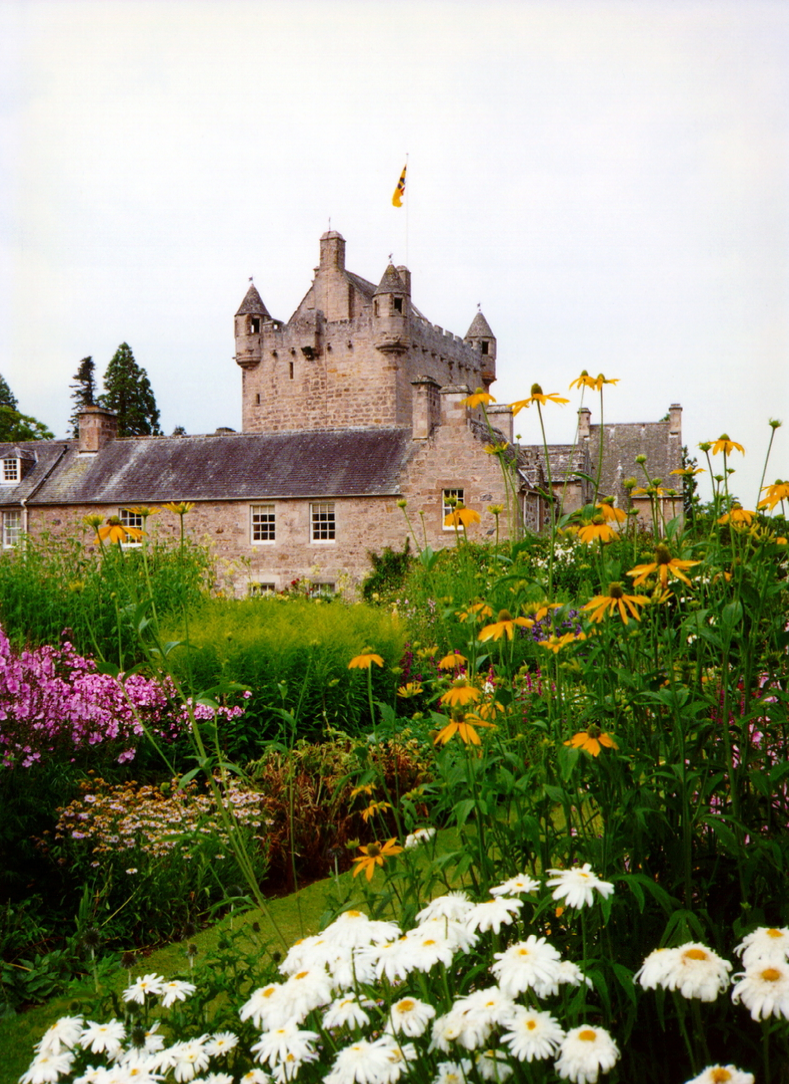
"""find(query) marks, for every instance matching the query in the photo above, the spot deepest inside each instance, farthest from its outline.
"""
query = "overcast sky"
(608, 179)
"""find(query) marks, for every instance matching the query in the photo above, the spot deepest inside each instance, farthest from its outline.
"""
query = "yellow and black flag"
(399, 192)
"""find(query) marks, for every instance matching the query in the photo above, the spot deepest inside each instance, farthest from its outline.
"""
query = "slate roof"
(480, 328)
(41, 457)
(390, 283)
(252, 305)
(227, 466)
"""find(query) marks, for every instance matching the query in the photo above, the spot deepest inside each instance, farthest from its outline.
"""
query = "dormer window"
(11, 472)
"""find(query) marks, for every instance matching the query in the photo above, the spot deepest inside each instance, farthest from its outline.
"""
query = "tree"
(7, 397)
(16, 427)
(83, 391)
(128, 392)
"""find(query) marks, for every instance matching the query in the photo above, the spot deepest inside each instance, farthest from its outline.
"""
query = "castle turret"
(249, 322)
(481, 338)
(391, 312)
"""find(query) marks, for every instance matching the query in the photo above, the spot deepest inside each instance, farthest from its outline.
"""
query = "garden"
(520, 814)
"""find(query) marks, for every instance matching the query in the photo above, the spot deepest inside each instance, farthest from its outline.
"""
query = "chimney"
(584, 418)
(675, 420)
(426, 407)
(97, 427)
(453, 410)
(332, 250)
(500, 415)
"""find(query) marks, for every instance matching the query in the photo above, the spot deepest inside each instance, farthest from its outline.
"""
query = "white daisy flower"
(285, 1045)
(764, 989)
(353, 929)
(217, 1078)
(265, 1007)
(493, 1065)
(148, 984)
(584, 1052)
(429, 947)
(47, 1068)
(255, 1076)
(577, 886)
(493, 914)
(526, 964)
(346, 1011)
(305, 991)
(766, 943)
(410, 1016)
(365, 1062)
(516, 886)
(394, 961)
(222, 1042)
(532, 1034)
(61, 1035)
(186, 1059)
(471, 1020)
(454, 905)
(313, 951)
(421, 835)
(453, 930)
(722, 1074)
(698, 972)
(657, 968)
(103, 1038)
(567, 974)
(452, 1072)
(347, 967)
(175, 990)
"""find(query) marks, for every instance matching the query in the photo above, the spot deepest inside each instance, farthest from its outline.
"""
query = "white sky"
(609, 179)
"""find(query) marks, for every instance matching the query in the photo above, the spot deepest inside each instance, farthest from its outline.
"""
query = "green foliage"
(83, 392)
(7, 397)
(128, 392)
(293, 654)
(59, 582)
(390, 569)
(16, 427)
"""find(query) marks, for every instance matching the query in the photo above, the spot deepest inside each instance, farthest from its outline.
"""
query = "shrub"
(293, 654)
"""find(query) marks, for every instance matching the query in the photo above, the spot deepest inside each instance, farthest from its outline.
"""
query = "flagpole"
(406, 223)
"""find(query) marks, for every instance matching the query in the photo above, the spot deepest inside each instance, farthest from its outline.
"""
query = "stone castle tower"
(351, 352)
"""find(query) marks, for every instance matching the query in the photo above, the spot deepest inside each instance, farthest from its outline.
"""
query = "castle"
(351, 407)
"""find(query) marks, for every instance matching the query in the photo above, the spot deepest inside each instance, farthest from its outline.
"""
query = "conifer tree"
(7, 397)
(128, 392)
(83, 391)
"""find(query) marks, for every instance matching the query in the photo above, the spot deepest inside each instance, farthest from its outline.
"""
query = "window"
(10, 471)
(264, 523)
(131, 519)
(323, 590)
(484, 346)
(12, 529)
(260, 590)
(450, 500)
(254, 325)
(323, 523)
(398, 304)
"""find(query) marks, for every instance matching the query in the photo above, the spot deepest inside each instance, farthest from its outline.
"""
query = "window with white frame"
(10, 474)
(323, 525)
(12, 529)
(323, 590)
(450, 500)
(264, 523)
(130, 518)
(260, 590)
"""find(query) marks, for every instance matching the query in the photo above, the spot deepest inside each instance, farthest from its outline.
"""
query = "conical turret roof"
(252, 305)
(480, 328)
(391, 283)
